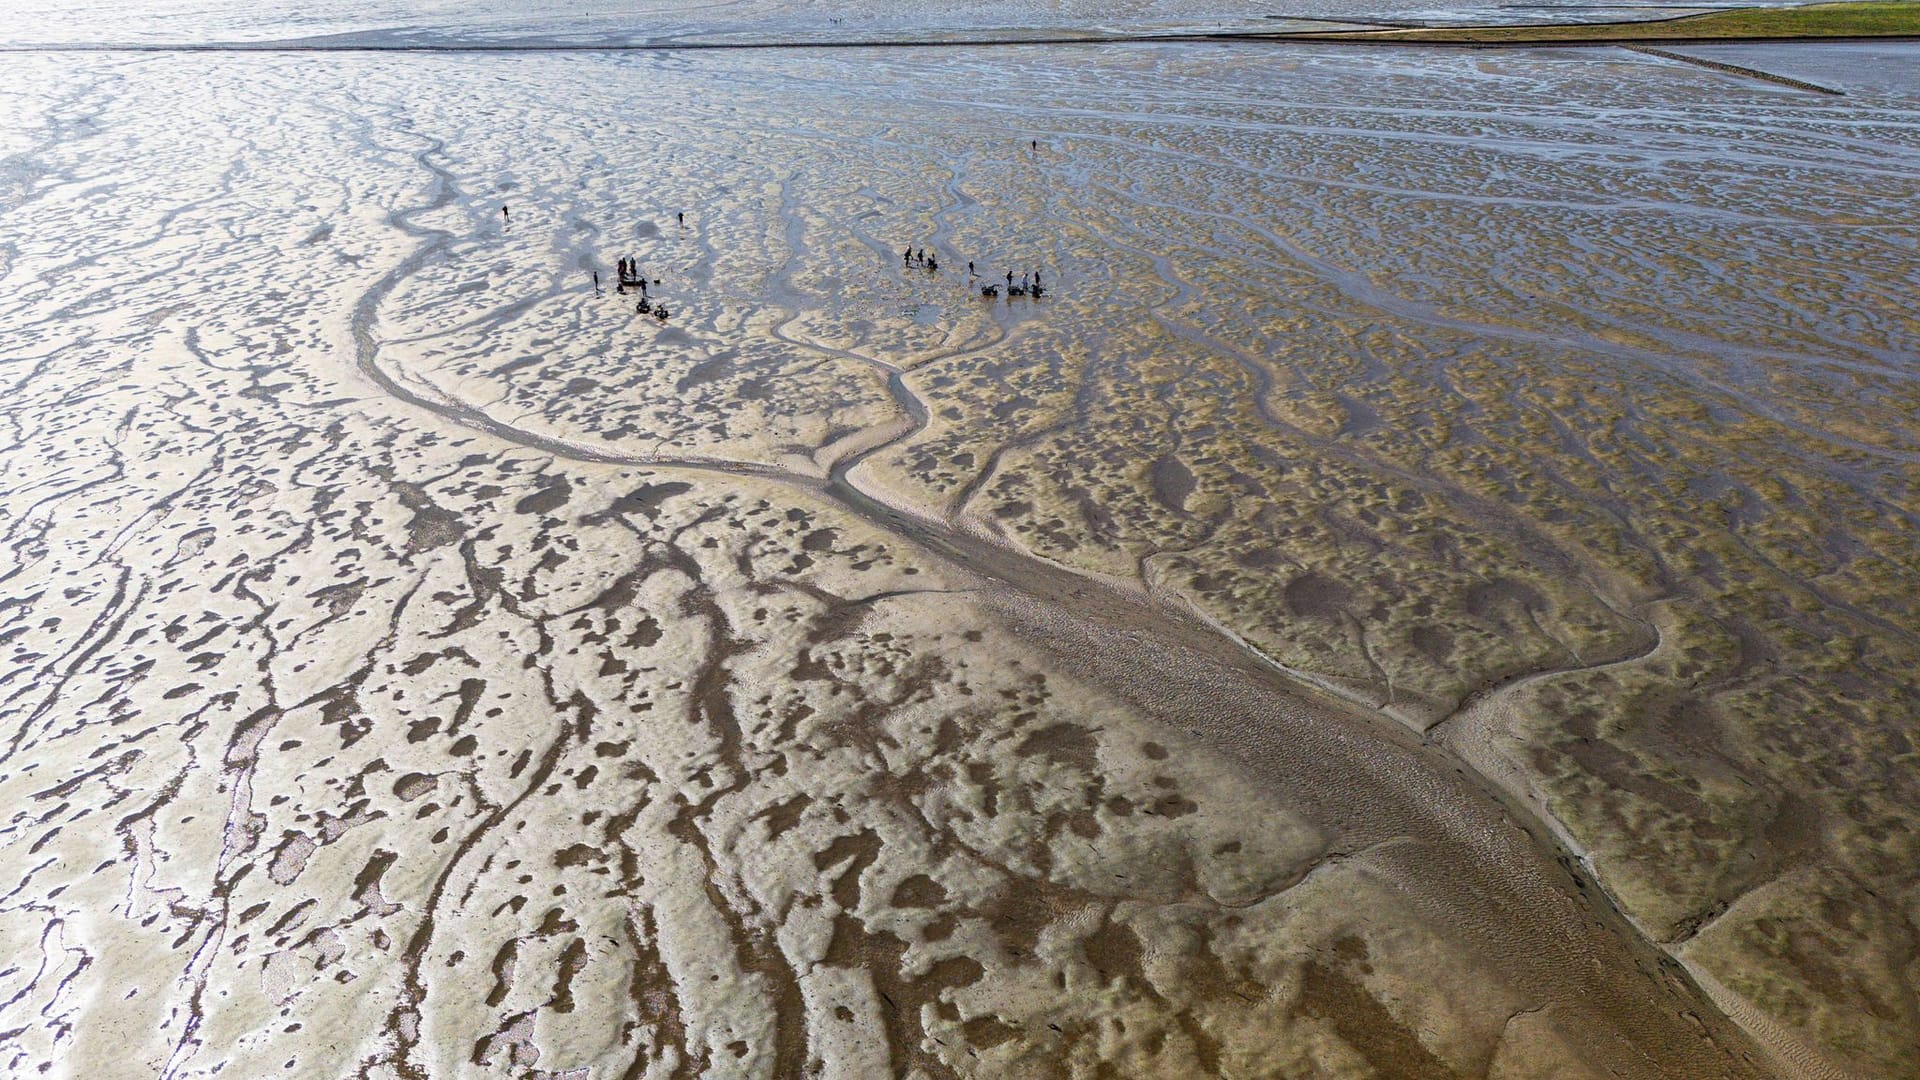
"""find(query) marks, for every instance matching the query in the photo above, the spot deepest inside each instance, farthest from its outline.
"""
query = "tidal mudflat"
(1428, 591)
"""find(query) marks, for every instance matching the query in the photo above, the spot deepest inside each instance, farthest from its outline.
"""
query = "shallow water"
(1450, 512)
(510, 22)
(1889, 70)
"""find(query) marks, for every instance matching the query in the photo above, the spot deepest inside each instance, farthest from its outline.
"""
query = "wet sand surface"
(1427, 592)
(1886, 70)
(619, 22)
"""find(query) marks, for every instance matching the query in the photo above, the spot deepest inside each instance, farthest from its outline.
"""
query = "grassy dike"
(1870, 19)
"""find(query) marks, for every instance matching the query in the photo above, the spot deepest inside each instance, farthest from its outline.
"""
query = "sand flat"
(1426, 592)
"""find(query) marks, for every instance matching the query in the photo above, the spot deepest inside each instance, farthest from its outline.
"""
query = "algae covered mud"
(1428, 590)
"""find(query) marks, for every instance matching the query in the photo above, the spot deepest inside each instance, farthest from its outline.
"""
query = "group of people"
(632, 278)
(1030, 284)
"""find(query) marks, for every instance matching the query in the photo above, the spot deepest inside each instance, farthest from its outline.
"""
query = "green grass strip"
(1873, 18)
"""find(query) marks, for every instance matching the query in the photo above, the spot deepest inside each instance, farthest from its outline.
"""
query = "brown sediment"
(589, 714)
(1033, 582)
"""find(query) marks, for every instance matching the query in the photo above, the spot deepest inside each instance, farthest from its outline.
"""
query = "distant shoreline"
(1855, 21)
